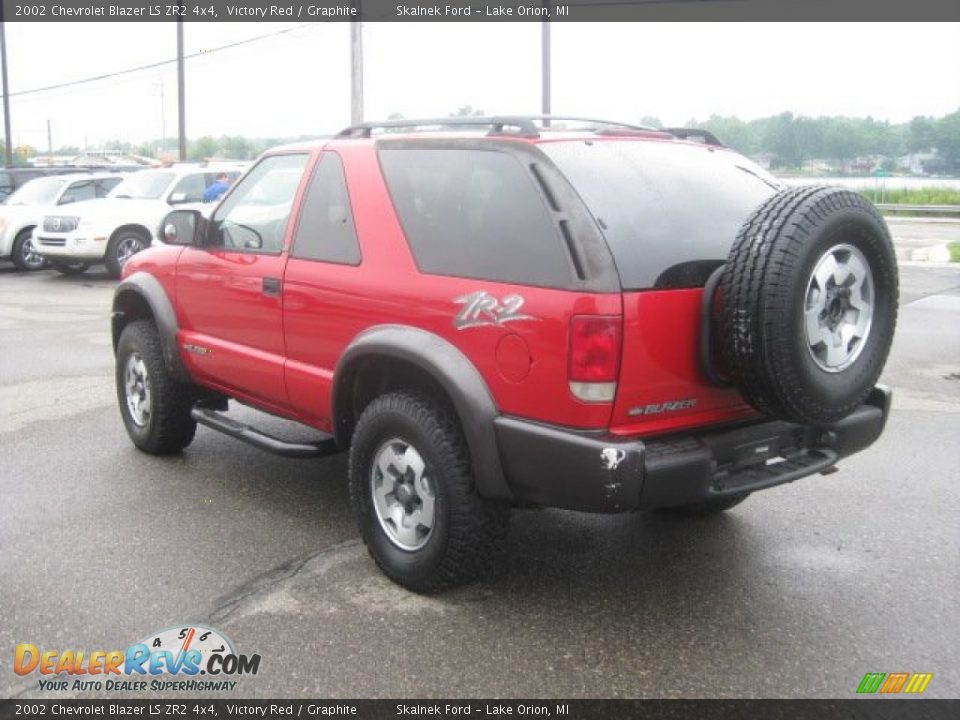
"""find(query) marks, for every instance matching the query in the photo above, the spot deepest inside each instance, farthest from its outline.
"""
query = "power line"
(160, 63)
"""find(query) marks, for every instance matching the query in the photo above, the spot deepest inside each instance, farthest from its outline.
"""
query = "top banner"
(471, 11)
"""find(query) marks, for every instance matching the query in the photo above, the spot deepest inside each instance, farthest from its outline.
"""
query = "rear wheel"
(65, 267)
(412, 489)
(123, 246)
(155, 407)
(24, 255)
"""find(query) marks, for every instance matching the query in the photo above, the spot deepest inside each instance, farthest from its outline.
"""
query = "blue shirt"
(214, 191)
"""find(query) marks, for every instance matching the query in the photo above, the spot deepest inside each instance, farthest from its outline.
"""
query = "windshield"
(144, 185)
(670, 211)
(41, 191)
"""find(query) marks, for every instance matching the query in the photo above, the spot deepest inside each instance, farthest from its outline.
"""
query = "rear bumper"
(597, 472)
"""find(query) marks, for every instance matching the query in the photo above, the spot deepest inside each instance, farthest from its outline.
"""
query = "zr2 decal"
(481, 308)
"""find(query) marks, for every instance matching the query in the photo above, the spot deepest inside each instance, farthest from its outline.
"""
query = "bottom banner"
(868, 709)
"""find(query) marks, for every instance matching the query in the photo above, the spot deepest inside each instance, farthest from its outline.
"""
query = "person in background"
(217, 188)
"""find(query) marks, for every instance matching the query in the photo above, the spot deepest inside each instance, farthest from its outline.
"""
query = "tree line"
(792, 140)
(789, 140)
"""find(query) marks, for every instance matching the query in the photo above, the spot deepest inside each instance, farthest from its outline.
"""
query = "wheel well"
(27, 229)
(369, 377)
(128, 307)
(139, 229)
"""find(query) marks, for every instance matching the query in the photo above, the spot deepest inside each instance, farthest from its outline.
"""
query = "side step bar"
(221, 423)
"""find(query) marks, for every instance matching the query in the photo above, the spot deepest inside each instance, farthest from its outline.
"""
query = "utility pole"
(545, 69)
(356, 69)
(181, 94)
(49, 140)
(8, 138)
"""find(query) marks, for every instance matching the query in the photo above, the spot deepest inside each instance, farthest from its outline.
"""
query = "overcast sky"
(299, 83)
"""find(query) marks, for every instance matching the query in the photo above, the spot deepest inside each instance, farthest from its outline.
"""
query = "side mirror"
(183, 227)
(178, 198)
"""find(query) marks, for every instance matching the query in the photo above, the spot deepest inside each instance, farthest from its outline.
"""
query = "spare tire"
(808, 304)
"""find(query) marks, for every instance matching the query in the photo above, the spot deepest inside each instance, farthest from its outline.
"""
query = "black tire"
(70, 268)
(168, 428)
(467, 531)
(768, 285)
(116, 255)
(707, 507)
(22, 253)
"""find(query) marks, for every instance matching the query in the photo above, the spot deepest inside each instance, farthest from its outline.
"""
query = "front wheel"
(413, 492)
(155, 407)
(121, 248)
(24, 255)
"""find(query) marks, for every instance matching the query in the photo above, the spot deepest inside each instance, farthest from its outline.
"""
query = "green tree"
(467, 111)
(947, 139)
(202, 148)
(236, 147)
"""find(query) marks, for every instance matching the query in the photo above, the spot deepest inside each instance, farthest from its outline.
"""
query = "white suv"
(26, 208)
(112, 230)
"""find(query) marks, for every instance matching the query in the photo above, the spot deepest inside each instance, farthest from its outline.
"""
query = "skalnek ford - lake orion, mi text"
(491, 10)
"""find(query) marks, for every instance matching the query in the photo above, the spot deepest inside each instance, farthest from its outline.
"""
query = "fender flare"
(453, 371)
(148, 289)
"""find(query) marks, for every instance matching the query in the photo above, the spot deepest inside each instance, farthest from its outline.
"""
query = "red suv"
(497, 312)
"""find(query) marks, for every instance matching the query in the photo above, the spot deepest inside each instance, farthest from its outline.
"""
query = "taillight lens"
(595, 342)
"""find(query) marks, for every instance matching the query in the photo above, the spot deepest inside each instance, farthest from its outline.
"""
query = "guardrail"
(919, 209)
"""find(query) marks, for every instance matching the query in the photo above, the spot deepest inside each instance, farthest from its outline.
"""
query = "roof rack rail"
(704, 137)
(524, 125)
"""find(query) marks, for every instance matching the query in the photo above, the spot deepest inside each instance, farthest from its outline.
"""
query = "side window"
(325, 230)
(80, 190)
(475, 214)
(189, 189)
(254, 216)
(6, 185)
(105, 185)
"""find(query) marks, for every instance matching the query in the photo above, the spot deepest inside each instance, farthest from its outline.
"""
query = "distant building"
(918, 163)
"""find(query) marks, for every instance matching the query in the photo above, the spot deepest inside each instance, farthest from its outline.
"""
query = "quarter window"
(325, 230)
(475, 214)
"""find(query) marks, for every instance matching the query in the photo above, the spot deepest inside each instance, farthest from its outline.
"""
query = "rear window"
(475, 214)
(669, 210)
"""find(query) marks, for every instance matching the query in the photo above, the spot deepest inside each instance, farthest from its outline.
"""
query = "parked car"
(12, 178)
(602, 319)
(112, 230)
(25, 209)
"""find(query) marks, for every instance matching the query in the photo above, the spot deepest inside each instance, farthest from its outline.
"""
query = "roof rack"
(704, 137)
(507, 125)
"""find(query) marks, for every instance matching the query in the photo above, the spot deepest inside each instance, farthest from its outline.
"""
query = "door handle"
(271, 286)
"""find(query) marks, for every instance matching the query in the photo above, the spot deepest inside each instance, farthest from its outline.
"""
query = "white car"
(26, 208)
(112, 230)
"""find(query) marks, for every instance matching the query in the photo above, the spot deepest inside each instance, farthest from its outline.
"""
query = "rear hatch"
(670, 211)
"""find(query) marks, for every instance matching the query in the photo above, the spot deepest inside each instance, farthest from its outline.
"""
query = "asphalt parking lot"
(796, 593)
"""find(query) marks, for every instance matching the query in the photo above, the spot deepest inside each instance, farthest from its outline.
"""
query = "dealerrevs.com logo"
(172, 659)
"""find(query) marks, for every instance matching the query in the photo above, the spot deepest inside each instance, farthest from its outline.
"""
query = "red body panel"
(661, 330)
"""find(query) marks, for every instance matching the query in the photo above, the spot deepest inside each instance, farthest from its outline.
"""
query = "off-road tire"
(170, 428)
(468, 531)
(762, 338)
(112, 261)
(17, 255)
(706, 507)
(69, 268)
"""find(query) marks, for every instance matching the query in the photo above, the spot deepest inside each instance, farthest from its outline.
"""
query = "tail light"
(595, 343)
